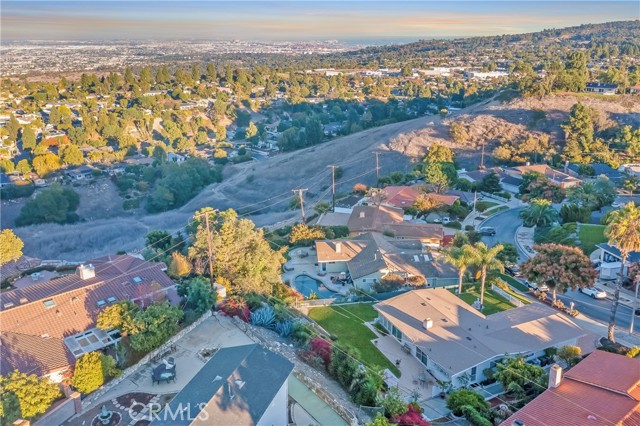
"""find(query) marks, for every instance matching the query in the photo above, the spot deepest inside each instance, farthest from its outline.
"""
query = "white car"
(533, 286)
(616, 204)
(595, 292)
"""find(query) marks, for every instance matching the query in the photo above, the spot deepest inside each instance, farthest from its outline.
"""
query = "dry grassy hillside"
(263, 188)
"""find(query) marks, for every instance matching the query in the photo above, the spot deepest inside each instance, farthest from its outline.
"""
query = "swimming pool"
(305, 285)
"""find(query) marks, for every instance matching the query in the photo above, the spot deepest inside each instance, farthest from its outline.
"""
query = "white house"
(456, 343)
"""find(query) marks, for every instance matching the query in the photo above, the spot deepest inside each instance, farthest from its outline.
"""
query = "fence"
(507, 296)
(495, 197)
(88, 401)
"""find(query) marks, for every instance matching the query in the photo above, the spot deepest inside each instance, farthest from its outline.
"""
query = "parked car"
(595, 292)
(539, 287)
(446, 220)
(487, 230)
(512, 269)
(616, 204)
(443, 220)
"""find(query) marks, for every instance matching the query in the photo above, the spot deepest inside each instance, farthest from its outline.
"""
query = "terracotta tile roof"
(550, 173)
(327, 250)
(401, 196)
(600, 390)
(69, 305)
(32, 354)
(373, 218)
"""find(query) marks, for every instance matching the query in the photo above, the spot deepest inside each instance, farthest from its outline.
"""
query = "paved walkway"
(303, 262)
(215, 332)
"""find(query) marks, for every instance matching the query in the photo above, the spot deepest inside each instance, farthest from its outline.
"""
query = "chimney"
(338, 247)
(86, 271)
(427, 323)
(361, 215)
(555, 376)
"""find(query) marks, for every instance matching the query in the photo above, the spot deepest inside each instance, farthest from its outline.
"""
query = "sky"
(297, 20)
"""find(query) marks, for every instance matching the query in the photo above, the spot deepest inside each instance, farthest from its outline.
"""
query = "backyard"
(590, 235)
(493, 302)
(346, 323)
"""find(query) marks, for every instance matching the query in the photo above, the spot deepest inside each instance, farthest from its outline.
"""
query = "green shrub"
(465, 397)
(474, 417)
(454, 225)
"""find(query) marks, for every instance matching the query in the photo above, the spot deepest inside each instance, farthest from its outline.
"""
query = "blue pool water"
(305, 285)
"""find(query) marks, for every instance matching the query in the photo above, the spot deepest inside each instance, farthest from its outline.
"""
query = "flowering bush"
(322, 348)
(413, 417)
(236, 307)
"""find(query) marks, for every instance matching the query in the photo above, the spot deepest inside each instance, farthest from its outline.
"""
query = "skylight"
(50, 303)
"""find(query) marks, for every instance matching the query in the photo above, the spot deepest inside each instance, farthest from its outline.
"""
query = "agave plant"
(284, 328)
(264, 317)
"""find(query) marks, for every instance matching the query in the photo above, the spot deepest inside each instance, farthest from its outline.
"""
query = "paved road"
(599, 309)
(506, 224)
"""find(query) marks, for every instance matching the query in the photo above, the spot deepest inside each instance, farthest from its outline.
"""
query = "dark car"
(487, 230)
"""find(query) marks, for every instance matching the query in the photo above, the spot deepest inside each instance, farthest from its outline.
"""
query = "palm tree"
(487, 259)
(540, 212)
(459, 258)
(623, 231)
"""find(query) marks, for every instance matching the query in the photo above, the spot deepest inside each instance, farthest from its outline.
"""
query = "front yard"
(590, 235)
(346, 323)
(493, 302)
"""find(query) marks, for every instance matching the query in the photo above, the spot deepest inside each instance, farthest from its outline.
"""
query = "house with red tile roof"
(405, 196)
(46, 326)
(603, 389)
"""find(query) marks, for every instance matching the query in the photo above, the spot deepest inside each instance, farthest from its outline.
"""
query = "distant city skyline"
(297, 20)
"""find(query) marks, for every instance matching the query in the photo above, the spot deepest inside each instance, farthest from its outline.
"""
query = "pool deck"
(303, 262)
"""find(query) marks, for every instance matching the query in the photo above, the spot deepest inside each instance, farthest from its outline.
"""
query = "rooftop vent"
(8, 305)
(517, 422)
(137, 280)
(101, 303)
(427, 323)
(468, 338)
(239, 384)
(555, 376)
(86, 271)
(338, 247)
(111, 299)
(361, 215)
(23, 300)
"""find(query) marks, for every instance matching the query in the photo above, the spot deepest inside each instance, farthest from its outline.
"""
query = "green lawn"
(493, 302)
(590, 235)
(495, 210)
(346, 322)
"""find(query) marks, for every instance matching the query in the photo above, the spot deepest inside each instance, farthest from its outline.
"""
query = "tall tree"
(623, 232)
(10, 246)
(460, 258)
(578, 134)
(560, 268)
(241, 253)
(486, 259)
(28, 138)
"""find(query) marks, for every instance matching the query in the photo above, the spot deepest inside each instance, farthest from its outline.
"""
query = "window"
(396, 333)
(137, 280)
(473, 376)
(422, 357)
(49, 303)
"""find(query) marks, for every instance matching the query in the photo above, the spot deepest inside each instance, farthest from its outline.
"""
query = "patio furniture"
(164, 371)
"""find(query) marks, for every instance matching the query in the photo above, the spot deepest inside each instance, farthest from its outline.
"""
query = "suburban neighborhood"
(320, 214)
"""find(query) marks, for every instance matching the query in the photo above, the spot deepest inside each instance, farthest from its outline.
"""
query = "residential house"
(241, 386)
(405, 196)
(366, 259)
(599, 169)
(610, 259)
(508, 182)
(558, 178)
(456, 343)
(47, 325)
(635, 90)
(601, 88)
(631, 169)
(602, 389)
(80, 173)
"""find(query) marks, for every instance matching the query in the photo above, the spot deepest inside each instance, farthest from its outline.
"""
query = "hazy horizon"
(364, 22)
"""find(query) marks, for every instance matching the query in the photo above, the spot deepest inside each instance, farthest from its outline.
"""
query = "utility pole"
(377, 154)
(635, 305)
(300, 191)
(209, 248)
(482, 158)
(333, 187)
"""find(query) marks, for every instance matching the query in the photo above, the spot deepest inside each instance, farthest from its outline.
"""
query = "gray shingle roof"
(235, 387)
